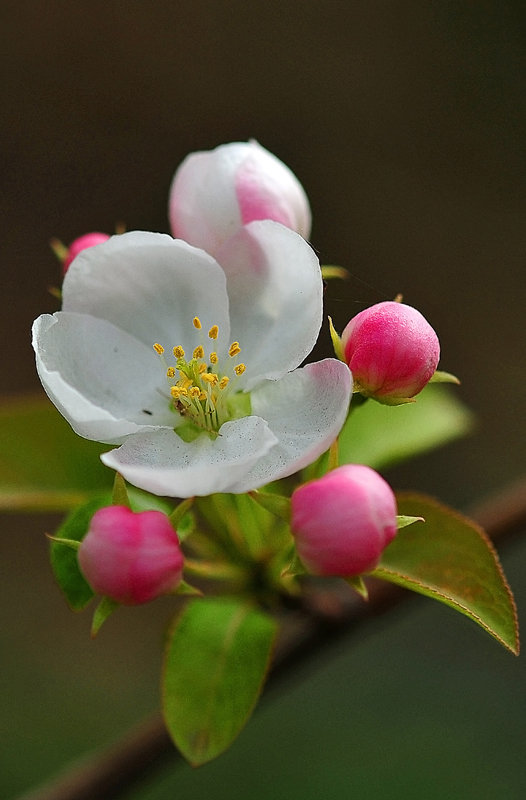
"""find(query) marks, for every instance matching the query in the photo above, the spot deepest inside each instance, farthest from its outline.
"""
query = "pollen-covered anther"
(203, 396)
(178, 351)
(210, 377)
(194, 392)
(178, 391)
(198, 352)
(197, 323)
(223, 383)
(213, 332)
(159, 349)
(213, 358)
(234, 349)
(170, 372)
(239, 369)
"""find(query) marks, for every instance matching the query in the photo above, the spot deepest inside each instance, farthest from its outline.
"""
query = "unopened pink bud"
(83, 242)
(392, 351)
(343, 521)
(215, 193)
(131, 557)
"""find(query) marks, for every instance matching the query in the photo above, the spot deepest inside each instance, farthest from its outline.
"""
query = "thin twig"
(324, 617)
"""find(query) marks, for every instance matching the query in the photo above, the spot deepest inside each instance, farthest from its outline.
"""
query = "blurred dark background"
(406, 123)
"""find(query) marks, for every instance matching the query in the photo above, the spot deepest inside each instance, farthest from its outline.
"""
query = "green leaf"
(452, 560)
(215, 664)
(44, 465)
(64, 559)
(380, 436)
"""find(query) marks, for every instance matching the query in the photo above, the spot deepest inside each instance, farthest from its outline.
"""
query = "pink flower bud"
(392, 351)
(87, 240)
(343, 521)
(215, 193)
(131, 557)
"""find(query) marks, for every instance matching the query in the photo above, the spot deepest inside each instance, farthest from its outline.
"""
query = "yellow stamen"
(212, 333)
(213, 358)
(202, 396)
(170, 372)
(159, 349)
(195, 391)
(234, 349)
(239, 369)
(209, 377)
(177, 392)
(178, 351)
(202, 368)
(223, 383)
(197, 323)
(198, 352)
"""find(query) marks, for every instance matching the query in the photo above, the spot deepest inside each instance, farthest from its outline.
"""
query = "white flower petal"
(305, 410)
(160, 462)
(106, 383)
(275, 291)
(151, 286)
(203, 205)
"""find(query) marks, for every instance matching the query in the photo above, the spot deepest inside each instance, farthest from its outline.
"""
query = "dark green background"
(406, 123)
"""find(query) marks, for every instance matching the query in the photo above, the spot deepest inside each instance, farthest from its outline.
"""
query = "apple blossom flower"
(214, 193)
(190, 364)
(81, 243)
(131, 557)
(342, 522)
(391, 350)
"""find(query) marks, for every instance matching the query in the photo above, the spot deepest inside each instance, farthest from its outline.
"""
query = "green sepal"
(64, 559)
(119, 495)
(275, 503)
(451, 559)
(357, 583)
(330, 271)
(105, 608)
(403, 520)
(181, 520)
(295, 566)
(68, 542)
(185, 589)
(444, 377)
(336, 341)
(217, 656)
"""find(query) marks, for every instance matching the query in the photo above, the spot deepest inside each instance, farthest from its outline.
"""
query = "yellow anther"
(202, 396)
(197, 323)
(209, 377)
(198, 352)
(159, 349)
(178, 351)
(234, 349)
(239, 369)
(212, 333)
(202, 368)
(186, 382)
(195, 391)
(170, 372)
(213, 358)
(177, 392)
(223, 383)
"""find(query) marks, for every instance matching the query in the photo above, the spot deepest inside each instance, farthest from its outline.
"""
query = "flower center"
(201, 389)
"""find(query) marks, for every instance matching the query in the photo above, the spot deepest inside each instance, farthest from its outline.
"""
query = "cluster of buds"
(341, 522)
